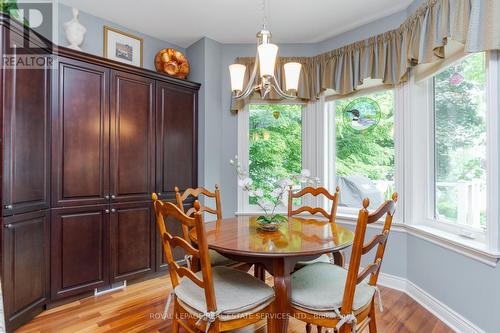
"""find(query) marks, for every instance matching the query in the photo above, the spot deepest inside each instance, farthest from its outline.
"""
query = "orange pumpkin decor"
(172, 62)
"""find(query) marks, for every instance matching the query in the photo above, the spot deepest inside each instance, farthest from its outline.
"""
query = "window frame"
(427, 218)
(244, 207)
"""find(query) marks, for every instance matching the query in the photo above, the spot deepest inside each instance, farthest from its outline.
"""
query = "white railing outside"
(470, 200)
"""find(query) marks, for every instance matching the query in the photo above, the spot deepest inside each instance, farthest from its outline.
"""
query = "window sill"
(253, 213)
(467, 247)
(470, 248)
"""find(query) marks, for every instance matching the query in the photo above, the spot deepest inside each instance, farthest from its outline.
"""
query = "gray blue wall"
(208, 52)
(94, 39)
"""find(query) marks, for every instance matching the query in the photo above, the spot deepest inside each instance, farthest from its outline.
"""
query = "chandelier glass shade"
(267, 58)
(265, 63)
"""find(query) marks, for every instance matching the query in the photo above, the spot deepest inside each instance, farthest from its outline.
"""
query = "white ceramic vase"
(75, 31)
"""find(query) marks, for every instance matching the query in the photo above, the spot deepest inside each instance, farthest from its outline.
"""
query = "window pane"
(460, 142)
(275, 144)
(365, 148)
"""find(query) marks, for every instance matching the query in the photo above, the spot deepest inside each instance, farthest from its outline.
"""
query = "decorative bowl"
(270, 223)
(172, 62)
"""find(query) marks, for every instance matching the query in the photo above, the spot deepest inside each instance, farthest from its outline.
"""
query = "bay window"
(436, 134)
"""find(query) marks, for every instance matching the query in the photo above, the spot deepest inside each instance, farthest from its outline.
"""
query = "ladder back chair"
(215, 258)
(338, 257)
(196, 193)
(213, 299)
(331, 296)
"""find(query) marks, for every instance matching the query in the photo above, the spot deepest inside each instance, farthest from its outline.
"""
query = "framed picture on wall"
(123, 47)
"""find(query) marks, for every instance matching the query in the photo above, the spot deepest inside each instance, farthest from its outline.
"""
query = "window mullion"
(492, 144)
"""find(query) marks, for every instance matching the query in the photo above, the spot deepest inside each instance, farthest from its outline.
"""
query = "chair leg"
(175, 322)
(339, 258)
(373, 323)
(259, 272)
(214, 328)
(269, 320)
(308, 328)
(262, 276)
(256, 270)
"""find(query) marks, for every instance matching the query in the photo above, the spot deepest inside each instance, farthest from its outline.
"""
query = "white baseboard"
(447, 315)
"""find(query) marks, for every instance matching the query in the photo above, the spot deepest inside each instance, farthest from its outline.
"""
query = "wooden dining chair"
(331, 296)
(214, 299)
(216, 258)
(338, 257)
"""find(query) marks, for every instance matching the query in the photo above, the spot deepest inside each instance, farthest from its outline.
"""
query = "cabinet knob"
(106, 196)
(113, 210)
(107, 211)
(8, 226)
(113, 196)
(9, 206)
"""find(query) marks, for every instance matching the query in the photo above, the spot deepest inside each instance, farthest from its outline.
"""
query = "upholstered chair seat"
(324, 258)
(236, 292)
(319, 289)
(217, 259)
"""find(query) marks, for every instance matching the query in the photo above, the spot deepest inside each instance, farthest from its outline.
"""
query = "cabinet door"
(80, 137)
(175, 228)
(26, 131)
(132, 137)
(25, 278)
(132, 240)
(79, 250)
(176, 137)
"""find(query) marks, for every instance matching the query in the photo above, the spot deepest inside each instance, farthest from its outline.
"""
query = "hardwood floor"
(137, 309)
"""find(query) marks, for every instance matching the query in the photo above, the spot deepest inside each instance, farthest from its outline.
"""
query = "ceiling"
(237, 21)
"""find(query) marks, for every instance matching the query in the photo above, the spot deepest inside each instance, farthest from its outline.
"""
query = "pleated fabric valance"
(422, 38)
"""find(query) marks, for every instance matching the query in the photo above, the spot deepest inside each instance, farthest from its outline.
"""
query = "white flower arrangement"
(279, 194)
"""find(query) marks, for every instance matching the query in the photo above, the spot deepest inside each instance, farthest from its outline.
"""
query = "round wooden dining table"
(301, 239)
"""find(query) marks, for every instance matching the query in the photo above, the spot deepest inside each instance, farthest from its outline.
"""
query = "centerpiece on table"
(269, 201)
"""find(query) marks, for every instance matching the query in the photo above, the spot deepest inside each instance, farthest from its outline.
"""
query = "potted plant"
(268, 202)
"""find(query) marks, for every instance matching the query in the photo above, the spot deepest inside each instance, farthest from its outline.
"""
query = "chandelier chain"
(264, 14)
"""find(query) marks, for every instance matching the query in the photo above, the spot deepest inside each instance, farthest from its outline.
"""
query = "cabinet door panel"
(25, 278)
(81, 135)
(132, 137)
(79, 250)
(176, 133)
(132, 240)
(26, 128)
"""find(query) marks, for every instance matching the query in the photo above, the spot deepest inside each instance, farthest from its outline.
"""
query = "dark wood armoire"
(85, 142)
